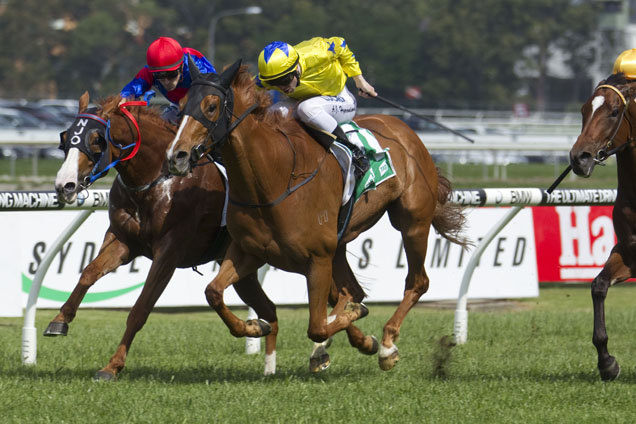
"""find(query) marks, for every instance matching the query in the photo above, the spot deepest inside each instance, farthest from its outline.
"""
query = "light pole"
(251, 10)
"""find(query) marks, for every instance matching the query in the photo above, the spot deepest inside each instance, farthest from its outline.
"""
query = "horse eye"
(614, 113)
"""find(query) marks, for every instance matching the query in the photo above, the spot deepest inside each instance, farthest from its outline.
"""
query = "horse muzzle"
(179, 163)
(66, 193)
(582, 163)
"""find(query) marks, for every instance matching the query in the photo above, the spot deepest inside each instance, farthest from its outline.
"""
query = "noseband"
(603, 153)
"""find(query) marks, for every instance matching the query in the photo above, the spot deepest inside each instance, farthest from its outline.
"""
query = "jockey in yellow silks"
(313, 74)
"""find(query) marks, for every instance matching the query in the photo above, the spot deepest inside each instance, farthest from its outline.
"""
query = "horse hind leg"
(614, 271)
(112, 254)
(414, 228)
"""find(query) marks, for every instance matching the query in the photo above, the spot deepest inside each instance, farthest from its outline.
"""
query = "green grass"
(531, 363)
(462, 176)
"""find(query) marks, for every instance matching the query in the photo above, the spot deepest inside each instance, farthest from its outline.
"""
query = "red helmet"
(164, 54)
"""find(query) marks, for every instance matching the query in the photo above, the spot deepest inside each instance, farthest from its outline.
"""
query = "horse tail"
(449, 219)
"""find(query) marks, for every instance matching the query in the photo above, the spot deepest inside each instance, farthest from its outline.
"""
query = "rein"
(219, 131)
(161, 178)
(289, 189)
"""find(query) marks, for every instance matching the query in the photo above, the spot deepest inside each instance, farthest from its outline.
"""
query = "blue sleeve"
(205, 67)
(139, 85)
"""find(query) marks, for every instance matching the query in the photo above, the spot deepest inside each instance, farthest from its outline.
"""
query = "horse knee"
(213, 296)
(599, 288)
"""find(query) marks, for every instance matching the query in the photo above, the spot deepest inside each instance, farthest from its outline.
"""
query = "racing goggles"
(283, 81)
(166, 75)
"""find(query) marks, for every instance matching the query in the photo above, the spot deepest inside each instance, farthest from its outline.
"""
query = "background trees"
(459, 53)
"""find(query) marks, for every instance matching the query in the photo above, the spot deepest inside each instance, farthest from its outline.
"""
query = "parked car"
(48, 118)
(15, 119)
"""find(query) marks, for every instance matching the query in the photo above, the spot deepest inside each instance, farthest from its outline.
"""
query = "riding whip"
(559, 179)
(432, 121)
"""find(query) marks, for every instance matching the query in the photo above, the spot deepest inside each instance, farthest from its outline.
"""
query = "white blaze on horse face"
(596, 103)
(176, 137)
(70, 167)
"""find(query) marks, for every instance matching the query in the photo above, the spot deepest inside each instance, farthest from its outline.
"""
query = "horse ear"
(83, 102)
(229, 73)
(194, 70)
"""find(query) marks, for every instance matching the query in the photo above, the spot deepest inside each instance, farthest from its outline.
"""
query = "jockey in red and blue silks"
(167, 69)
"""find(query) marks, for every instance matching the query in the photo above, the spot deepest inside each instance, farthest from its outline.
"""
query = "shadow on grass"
(211, 375)
(181, 375)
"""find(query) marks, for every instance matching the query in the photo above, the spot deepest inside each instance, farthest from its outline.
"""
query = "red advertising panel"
(572, 242)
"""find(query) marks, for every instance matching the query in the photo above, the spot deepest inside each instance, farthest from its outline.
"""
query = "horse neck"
(148, 162)
(626, 171)
(626, 159)
(259, 162)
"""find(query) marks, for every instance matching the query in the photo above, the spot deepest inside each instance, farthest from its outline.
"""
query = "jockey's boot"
(360, 159)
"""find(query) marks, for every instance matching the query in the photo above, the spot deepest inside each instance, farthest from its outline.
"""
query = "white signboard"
(507, 269)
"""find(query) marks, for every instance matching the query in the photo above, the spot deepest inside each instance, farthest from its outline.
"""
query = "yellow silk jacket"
(325, 65)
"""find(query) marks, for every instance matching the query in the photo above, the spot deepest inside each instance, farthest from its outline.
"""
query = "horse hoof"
(358, 310)
(610, 372)
(364, 311)
(374, 347)
(56, 329)
(263, 327)
(320, 362)
(388, 362)
(102, 375)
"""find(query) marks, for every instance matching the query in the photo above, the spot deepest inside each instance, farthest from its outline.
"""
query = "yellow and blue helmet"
(276, 60)
(626, 63)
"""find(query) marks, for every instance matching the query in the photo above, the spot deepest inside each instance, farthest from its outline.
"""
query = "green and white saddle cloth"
(380, 169)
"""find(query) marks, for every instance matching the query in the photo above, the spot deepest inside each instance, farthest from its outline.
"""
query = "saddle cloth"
(381, 166)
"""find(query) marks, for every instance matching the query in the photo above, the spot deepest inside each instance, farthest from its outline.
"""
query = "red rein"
(130, 116)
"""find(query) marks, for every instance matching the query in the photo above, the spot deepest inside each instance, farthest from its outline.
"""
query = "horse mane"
(152, 113)
(244, 85)
(615, 80)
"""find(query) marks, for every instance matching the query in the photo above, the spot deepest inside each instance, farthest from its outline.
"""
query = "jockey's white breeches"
(321, 112)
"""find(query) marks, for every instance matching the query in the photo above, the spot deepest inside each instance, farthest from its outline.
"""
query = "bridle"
(89, 122)
(608, 150)
(219, 130)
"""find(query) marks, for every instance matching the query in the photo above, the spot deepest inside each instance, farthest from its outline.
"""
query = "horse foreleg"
(319, 282)
(160, 273)
(344, 277)
(251, 293)
(344, 280)
(613, 272)
(112, 254)
(235, 266)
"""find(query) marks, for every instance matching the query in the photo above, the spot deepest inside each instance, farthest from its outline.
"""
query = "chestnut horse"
(174, 221)
(608, 128)
(286, 193)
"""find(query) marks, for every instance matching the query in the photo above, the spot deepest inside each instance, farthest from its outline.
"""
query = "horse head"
(86, 151)
(207, 113)
(607, 124)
